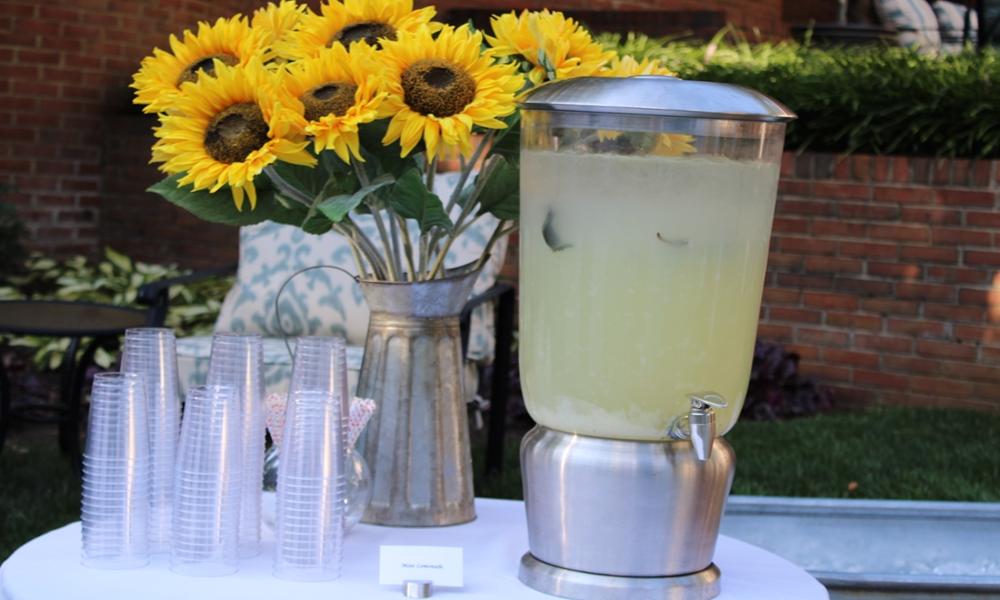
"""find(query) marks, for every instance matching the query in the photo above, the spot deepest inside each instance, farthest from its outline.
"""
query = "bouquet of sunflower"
(313, 119)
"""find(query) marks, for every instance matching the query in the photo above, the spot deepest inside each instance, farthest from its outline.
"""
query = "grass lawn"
(918, 454)
(905, 453)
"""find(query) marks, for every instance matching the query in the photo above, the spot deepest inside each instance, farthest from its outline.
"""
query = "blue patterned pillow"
(954, 22)
(914, 22)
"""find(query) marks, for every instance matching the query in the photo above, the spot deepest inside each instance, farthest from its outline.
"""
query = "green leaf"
(337, 207)
(411, 200)
(309, 180)
(500, 194)
(382, 158)
(217, 207)
(118, 259)
(508, 141)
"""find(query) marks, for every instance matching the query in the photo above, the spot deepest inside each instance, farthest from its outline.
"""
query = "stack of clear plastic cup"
(208, 486)
(116, 475)
(309, 520)
(238, 360)
(151, 352)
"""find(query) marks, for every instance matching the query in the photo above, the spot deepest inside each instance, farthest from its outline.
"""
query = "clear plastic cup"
(238, 360)
(310, 506)
(115, 502)
(207, 488)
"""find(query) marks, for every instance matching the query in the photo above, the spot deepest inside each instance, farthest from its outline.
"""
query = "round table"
(49, 567)
(60, 319)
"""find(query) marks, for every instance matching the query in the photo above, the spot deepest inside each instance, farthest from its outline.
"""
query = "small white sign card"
(440, 564)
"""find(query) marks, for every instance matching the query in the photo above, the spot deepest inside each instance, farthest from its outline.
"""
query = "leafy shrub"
(777, 390)
(114, 280)
(863, 99)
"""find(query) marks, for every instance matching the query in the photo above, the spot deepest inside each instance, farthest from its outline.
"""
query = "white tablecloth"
(48, 568)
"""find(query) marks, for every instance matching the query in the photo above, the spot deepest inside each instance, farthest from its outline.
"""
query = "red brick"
(787, 164)
(977, 297)
(850, 357)
(864, 287)
(976, 334)
(916, 327)
(960, 171)
(825, 337)
(838, 228)
(904, 195)
(824, 372)
(889, 307)
(804, 207)
(911, 364)
(950, 312)
(970, 371)
(853, 321)
(883, 212)
(945, 350)
(881, 379)
(807, 280)
(781, 296)
(881, 168)
(925, 291)
(826, 264)
(896, 270)
(975, 257)
(931, 215)
(862, 167)
(808, 246)
(771, 331)
(910, 233)
(830, 300)
(928, 254)
(942, 387)
(868, 250)
(982, 219)
(790, 225)
(941, 172)
(805, 352)
(884, 343)
(794, 315)
(953, 197)
(853, 191)
(776, 260)
(981, 173)
(991, 355)
(961, 237)
(794, 188)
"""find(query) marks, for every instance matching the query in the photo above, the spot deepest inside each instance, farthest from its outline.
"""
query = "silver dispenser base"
(567, 583)
(609, 517)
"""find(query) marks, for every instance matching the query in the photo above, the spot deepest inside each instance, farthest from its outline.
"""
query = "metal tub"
(884, 549)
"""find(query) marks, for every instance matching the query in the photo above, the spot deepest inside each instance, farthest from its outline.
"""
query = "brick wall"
(64, 70)
(884, 276)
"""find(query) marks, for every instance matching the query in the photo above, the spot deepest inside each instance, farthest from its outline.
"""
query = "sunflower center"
(369, 32)
(205, 65)
(236, 132)
(328, 99)
(437, 87)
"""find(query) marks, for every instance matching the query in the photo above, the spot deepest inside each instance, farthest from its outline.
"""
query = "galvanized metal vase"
(417, 444)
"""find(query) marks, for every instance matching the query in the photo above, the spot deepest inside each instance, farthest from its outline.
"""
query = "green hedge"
(867, 99)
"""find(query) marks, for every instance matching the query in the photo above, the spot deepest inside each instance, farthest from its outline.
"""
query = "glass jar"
(643, 244)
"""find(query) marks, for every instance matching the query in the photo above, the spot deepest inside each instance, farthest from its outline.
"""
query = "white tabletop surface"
(48, 568)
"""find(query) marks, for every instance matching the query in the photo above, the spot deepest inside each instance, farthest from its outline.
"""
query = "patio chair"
(326, 302)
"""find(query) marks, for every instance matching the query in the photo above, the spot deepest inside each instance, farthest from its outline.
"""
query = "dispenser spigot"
(699, 424)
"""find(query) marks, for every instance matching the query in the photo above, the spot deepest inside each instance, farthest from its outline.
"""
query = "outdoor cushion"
(913, 20)
(324, 301)
(954, 21)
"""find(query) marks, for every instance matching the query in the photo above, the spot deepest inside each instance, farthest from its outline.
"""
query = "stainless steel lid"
(657, 95)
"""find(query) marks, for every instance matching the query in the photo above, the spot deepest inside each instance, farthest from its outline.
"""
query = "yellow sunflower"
(440, 87)
(557, 47)
(338, 91)
(159, 79)
(673, 144)
(275, 22)
(228, 128)
(353, 21)
(628, 66)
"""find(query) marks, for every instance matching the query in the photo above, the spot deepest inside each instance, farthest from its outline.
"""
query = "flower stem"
(407, 247)
(498, 233)
(286, 188)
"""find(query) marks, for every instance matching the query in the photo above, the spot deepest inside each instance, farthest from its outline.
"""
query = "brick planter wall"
(884, 277)
(65, 66)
